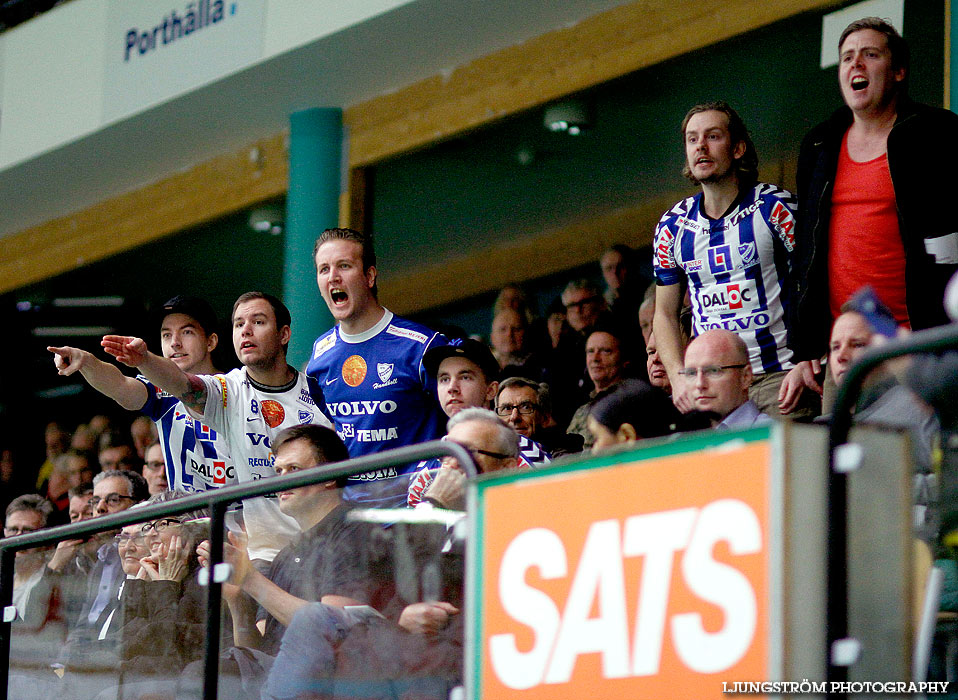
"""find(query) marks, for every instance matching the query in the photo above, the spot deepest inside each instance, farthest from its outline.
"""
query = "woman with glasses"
(163, 605)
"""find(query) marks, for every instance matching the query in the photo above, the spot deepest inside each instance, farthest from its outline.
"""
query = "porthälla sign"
(639, 576)
(156, 51)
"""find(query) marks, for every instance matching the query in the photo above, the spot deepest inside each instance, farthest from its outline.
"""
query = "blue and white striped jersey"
(737, 268)
(196, 456)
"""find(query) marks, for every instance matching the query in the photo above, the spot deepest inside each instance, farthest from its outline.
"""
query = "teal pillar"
(312, 205)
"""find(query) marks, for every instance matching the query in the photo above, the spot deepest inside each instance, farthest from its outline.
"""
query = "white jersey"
(250, 415)
(737, 268)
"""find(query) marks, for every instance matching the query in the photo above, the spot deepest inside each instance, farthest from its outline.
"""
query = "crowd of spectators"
(731, 334)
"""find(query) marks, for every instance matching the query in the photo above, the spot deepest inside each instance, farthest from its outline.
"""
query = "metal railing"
(217, 500)
(927, 341)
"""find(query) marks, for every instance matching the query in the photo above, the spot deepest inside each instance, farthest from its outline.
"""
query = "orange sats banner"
(646, 579)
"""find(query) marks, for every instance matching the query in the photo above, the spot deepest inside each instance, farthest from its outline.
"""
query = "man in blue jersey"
(731, 247)
(368, 370)
(196, 456)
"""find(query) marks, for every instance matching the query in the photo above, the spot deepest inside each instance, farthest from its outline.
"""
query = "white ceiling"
(423, 38)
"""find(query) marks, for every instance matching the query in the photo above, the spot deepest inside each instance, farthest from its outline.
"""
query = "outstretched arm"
(130, 393)
(132, 351)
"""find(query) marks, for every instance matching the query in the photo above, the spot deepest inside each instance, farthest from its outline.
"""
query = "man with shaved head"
(718, 371)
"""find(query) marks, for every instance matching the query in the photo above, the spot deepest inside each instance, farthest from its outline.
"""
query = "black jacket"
(925, 183)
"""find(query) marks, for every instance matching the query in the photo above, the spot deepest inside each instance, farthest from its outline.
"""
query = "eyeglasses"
(112, 499)
(14, 531)
(161, 525)
(710, 372)
(155, 466)
(580, 304)
(135, 540)
(476, 451)
(524, 408)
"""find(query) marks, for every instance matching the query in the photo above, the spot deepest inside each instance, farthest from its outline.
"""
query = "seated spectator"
(418, 638)
(527, 407)
(70, 469)
(492, 444)
(887, 403)
(73, 559)
(318, 565)
(83, 438)
(584, 305)
(117, 452)
(511, 346)
(143, 433)
(647, 313)
(718, 371)
(91, 640)
(619, 270)
(154, 468)
(634, 411)
(606, 362)
(80, 497)
(162, 622)
(584, 308)
(56, 441)
(658, 377)
(623, 290)
(31, 593)
(556, 325)
(13, 479)
(513, 296)
(466, 378)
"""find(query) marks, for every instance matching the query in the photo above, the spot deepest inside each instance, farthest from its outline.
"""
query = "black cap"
(471, 350)
(194, 307)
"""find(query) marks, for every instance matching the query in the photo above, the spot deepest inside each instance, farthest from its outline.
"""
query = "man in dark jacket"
(872, 208)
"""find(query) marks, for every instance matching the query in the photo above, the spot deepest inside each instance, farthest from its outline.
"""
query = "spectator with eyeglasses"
(466, 373)
(154, 469)
(492, 444)
(526, 405)
(27, 514)
(113, 491)
(718, 372)
(161, 621)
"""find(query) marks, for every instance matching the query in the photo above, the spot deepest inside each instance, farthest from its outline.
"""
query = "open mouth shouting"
(338, 296)
(859, 83)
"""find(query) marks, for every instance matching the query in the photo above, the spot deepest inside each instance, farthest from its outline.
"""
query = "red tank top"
(864, 242)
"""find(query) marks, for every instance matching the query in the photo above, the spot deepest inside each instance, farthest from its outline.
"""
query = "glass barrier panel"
(118, 614)
(354, 601)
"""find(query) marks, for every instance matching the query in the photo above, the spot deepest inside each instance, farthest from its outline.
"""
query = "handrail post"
(214, 597)
(7, 565)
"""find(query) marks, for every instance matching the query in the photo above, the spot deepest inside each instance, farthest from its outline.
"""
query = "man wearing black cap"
(466, 374)
(196, 457)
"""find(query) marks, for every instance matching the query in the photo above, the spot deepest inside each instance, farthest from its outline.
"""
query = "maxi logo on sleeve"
(646, 592)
